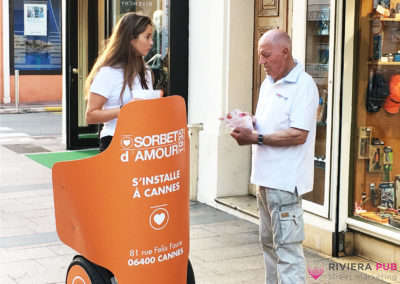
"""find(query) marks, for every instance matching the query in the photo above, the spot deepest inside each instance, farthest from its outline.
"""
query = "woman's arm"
(95, 112)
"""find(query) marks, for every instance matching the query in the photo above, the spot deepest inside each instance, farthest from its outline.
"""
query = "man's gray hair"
(277, 36)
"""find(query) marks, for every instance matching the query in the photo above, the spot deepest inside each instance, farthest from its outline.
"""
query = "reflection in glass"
(157, 59)
(317, 65)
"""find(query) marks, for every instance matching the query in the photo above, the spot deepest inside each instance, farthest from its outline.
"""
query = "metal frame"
(179, 48)
(346, 220)
(331, 164)
(73, 141)
(328, 216)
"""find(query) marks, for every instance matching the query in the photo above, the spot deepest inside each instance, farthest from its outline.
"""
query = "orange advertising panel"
(127, 208)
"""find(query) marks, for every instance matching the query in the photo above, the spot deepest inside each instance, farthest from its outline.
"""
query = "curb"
(28, 109)
(53, 108)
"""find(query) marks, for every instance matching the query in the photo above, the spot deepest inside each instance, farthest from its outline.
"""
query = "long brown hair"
(119, 52)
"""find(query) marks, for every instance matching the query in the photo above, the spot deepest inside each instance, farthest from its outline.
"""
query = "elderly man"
(283, 156)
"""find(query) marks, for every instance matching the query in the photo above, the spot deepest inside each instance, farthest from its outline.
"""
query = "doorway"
(88, 23)
(86, 26)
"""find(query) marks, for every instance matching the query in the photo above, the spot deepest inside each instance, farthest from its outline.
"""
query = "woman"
(119, 71)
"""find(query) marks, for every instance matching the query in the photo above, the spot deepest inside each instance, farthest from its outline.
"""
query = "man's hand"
(244, 136)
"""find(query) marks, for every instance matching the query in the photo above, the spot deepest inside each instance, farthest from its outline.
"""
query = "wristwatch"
(260, 139)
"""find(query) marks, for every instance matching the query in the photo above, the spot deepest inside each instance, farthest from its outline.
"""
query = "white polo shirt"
(289, 102)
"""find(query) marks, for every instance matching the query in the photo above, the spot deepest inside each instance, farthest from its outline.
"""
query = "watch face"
(376, 26)
(260, 139)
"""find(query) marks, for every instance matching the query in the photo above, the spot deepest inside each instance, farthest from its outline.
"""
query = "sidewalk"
(224, 248)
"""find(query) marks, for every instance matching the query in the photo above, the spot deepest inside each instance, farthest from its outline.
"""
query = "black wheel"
(82, 271)
(190, 274)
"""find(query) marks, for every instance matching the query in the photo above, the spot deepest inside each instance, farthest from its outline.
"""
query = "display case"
(317, 59)
(376, 138)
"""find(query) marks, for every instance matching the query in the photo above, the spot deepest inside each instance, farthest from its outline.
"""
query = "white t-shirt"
(290, 102)
(108, 83)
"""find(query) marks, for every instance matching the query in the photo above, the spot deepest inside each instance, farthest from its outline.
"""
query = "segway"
(126, 210)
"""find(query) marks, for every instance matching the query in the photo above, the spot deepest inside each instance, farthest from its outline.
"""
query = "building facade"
(355, 204)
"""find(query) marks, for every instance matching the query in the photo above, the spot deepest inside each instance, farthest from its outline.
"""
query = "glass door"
(317, 56)
(158, 57)
(84, 33)
(90, 22)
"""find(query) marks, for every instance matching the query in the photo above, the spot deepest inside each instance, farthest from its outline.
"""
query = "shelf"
(384, 63)
(318, 15)
(383, 19)
(317, 69)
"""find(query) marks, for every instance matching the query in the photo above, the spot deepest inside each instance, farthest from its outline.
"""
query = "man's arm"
(288, 137)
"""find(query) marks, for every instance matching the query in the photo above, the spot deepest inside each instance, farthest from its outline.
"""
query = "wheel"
(190, 274)
(82, 271)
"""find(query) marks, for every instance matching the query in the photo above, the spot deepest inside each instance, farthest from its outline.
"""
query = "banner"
(127, 208)
(35, 19)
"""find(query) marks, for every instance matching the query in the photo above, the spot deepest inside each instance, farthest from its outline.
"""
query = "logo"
(315, 272)
(152, 147)
(159, 218)
(126, 142)
(281, 96)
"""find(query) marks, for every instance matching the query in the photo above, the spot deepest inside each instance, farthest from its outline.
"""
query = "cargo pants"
(281, 236)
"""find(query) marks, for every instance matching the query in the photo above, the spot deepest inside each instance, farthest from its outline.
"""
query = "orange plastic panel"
(127, 209)
(78, 275)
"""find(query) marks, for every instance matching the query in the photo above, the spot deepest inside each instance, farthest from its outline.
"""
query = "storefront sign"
(35, 19)
(127, 209)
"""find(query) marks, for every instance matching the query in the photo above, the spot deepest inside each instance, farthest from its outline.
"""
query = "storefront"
(32, 46)
(354, 205)
(372, 140)
(89, 23)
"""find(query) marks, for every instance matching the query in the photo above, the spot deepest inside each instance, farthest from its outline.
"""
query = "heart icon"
(315, 272)
(159, 218)
(126, 142)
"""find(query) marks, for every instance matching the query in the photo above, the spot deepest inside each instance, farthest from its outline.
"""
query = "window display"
(376, 181)
(36, 35)
(317, 65)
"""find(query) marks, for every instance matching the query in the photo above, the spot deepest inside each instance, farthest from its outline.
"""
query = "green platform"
(49, 159)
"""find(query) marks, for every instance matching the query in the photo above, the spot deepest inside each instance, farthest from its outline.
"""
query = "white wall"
(220, 79)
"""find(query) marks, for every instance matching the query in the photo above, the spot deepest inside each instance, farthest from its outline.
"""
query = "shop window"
(35, 36)
(376, 160)
(317, 65)
(157, 59)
